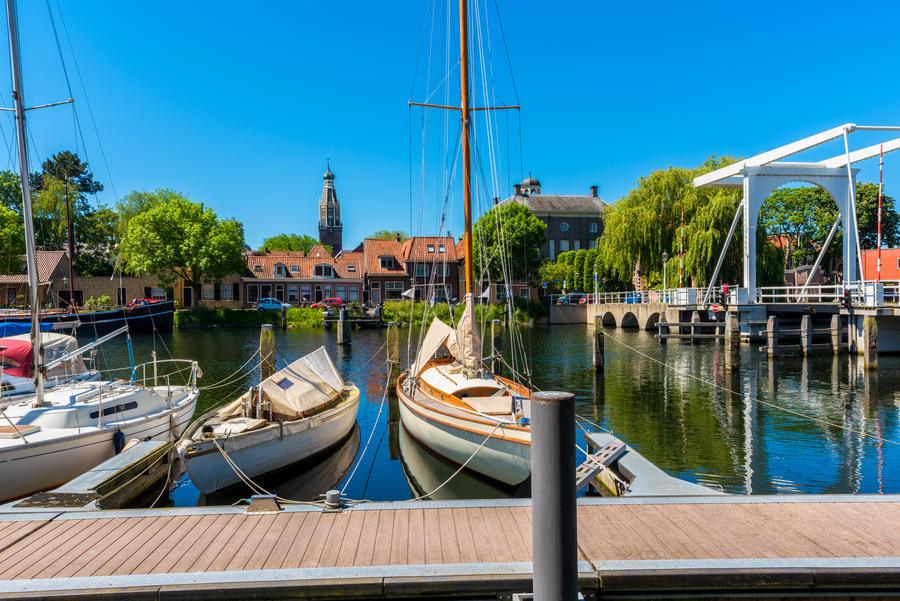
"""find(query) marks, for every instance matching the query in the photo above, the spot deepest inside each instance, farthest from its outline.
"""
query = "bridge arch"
(609, 320)
(630, 321)
(651, 322)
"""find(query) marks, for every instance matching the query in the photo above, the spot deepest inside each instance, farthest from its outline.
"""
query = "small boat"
(453, 405)
(290, 416)
(16, 361)
(143, 316)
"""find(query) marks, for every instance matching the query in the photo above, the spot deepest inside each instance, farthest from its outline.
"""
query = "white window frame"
(226, 292)
(386, 262)
(524, 292)
(421, 270)
(442, 248)
(353, 294)
(208, 292)
(157, 292)
(563, 246)
(431, 248)
(592, 227)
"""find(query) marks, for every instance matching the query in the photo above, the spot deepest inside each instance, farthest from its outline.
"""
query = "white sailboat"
(449, 401)
(51, 437)
(294, 414)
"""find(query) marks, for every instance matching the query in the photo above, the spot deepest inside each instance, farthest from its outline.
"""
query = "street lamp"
(665, 261)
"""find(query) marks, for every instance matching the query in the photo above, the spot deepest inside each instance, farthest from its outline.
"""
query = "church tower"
(330, 228)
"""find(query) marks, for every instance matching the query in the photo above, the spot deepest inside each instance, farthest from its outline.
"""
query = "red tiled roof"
(46, 260)
(377, 248)
(416, 249)
(461, 248)
(305, 264)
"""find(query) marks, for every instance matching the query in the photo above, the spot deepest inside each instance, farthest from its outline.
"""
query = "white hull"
(36, 466)
(457, 438)
(267, 449)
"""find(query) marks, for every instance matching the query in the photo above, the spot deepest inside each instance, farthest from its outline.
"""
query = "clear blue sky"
(239, 104)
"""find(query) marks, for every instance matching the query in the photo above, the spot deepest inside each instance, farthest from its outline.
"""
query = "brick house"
(298, 278)
(494, 292)
(386, 275)
(432, 266)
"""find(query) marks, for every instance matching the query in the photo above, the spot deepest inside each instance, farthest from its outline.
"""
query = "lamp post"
(665, 256)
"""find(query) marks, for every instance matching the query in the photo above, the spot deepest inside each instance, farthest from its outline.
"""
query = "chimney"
(398, 238)
(496, 200)
(594, 191)
(518, 189)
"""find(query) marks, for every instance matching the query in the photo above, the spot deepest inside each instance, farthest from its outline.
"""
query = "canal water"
(792, 425)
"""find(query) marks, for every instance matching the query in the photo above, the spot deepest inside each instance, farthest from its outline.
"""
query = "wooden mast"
(464, 105)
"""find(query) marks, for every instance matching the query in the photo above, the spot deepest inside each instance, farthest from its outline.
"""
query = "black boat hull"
(142, 319)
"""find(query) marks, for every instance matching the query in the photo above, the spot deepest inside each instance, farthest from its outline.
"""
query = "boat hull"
(504, 459)
(267, 449)
(141, 319)
(43, 465)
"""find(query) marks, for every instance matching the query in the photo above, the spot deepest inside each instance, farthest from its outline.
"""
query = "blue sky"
(239, 104)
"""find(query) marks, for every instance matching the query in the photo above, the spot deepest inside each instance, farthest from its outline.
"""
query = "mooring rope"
(371, 433)
(793, 412)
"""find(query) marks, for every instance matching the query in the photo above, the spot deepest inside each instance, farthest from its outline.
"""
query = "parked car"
(572, 298)
(270, 304)
(331, 301)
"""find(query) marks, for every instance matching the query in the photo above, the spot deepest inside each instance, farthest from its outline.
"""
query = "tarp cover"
(307, 385)
(11, 328)
(467, 339)
(16, 356)
(438, 334)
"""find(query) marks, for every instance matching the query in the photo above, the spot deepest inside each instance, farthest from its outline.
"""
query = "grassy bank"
(208, 317)
(406, 311)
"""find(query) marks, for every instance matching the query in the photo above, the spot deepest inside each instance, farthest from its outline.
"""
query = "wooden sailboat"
(449, 400)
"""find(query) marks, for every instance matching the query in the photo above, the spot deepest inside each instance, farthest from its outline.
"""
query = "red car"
(329, 302)
(138, 302)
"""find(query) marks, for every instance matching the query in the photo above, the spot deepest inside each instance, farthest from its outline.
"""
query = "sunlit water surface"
(794, 425)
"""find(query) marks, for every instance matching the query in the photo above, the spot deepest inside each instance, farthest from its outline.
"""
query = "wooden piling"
(598, 322)
(283, 317)
(805, 334)
(496, 347)
(772, 336)
(266, 351)
(870, 343)
(695, 330)
(663, 328)
(598, 350)
(851, 333)
(836, 333)
(732, 341)
(343, 330)
(393, 353)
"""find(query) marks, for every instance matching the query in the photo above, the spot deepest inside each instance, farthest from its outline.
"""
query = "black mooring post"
(553, 517)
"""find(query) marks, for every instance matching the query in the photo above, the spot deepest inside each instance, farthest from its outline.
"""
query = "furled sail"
(468, 341)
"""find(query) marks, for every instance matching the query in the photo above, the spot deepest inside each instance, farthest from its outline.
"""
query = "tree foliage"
(284, 242)
(509, 233)
(389, 235)
(185, 239)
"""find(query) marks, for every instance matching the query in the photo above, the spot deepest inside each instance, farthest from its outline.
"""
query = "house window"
(375, 292)
(593, 244)
(442, 270)
(226, 292)
(158, 292)
(342, 292)
(280, 270)
(578, 245)
(524, 293)
(209, 292)
(592, 228)
(324, 271)
(252, 293)
(393, 290)
(295, 268)
(351, 267)
(387, 262)
(354, 294)
(431, 248)
(257, 268)
(422, 270)
(553, 250)
(305, 294)
(328, 291)
(441, 248)
(563, 246)
(292, 293)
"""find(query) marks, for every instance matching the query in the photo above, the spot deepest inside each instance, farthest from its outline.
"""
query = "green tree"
(66, 166)
(12, 241)
(286, 242)
(554, 274)
(510, 234)
(587, 276)
(11, 191)
(136, 202)
(389, 235)
(180, 238)
(578, 276)
(97, 239)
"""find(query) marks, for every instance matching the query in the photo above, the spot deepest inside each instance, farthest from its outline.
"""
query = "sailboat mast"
(37, 350)
(467, 167)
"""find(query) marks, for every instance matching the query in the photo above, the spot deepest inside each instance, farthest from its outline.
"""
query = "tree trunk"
(198, 289)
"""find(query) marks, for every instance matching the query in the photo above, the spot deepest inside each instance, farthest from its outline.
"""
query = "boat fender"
(118, 441)
(281, 429)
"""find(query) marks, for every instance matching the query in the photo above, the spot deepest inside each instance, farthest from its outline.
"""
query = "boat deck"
(767, 545)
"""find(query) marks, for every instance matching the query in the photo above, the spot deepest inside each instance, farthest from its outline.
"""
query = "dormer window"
(441, 248)
(280, 270)
(295, 268)
(324, 271)
(431, 248)
(386, 262)
(257, 268)
(351, 267)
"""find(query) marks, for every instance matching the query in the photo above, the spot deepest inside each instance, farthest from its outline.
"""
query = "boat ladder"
(597, 462)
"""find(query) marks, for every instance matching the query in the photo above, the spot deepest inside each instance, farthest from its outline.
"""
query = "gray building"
(573, 221)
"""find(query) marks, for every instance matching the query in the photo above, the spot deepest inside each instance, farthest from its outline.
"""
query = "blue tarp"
(12, 328)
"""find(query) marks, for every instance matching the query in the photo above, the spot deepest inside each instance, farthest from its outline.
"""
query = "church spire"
(330, 227)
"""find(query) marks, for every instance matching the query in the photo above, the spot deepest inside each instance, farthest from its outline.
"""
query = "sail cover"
(467, 339)
(16, 354)
(307, 385)
(438, 334)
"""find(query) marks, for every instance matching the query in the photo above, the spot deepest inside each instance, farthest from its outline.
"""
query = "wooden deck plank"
(350, 540)
(92, 556)
(366, 547)
(697, 518)
(878, 523)
(432, 536)
(655, 532)
(623, 544)
(231, 545)
(513, 539)
(317, 541)
(85, 533)
(112, 563)
(260, 524)
(483, 547)
(792, 536)
(415, 550)
(695, 542)
(57, 532)
(492, 530)
(468, 553)
(384, 536)
(181, 550)
(267, 542)
(449, 541)
(521, 516)
(16, 531)
(167, 530)
(285, 540)
(329, 556)
(400, 537)
(842, 539)
(217, 546)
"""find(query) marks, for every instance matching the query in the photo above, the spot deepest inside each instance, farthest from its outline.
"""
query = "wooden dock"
(781, 546)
